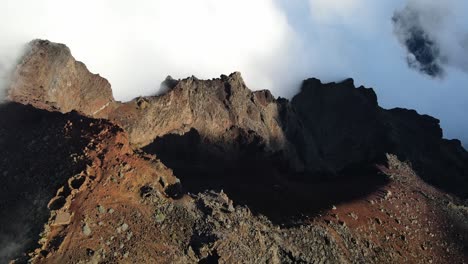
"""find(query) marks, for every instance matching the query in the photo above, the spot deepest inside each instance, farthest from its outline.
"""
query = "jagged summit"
(326, 128)
(48, 77)
(209, 170)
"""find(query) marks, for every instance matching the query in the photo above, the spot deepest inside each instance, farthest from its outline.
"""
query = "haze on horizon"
(413, 63)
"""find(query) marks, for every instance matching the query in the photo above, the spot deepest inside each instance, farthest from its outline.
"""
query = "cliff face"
(155, 161)
(215, 108)
(48, 77)
(348, 129)
(341, 124)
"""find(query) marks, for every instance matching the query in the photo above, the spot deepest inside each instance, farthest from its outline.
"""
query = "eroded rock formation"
(48, 77)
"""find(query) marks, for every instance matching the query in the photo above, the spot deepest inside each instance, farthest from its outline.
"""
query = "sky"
(414, 53)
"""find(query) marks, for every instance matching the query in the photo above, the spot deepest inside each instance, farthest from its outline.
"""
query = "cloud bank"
(433, 36)
(9, 55)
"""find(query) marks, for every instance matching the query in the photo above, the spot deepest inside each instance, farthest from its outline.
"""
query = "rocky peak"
(48, 77)
(341, 124)
(168, 84)
(213, 107)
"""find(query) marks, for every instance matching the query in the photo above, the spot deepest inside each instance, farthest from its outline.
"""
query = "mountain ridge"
(281, 158)
(325, 128)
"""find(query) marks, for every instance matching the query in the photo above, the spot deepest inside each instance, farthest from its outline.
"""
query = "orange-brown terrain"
(211, 172)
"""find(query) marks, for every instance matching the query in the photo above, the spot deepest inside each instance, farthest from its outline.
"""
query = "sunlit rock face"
(48, 77)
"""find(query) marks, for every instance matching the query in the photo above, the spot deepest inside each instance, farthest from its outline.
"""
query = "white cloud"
(329, 9)
(362, 17)
(349, 13)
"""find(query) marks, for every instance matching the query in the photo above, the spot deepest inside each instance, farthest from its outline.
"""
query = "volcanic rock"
(48, 77)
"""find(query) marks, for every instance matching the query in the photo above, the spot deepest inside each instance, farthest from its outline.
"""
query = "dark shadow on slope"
(37, 156)
(259, 180)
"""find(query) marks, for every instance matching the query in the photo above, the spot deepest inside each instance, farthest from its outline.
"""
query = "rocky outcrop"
(216, 108)
(346, 129)
(341, 125)
(48, 77)
(418, 139)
